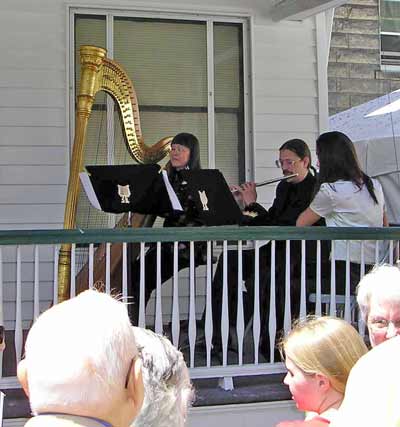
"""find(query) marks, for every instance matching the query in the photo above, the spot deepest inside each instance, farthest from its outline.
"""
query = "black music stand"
(130, 188)
(212, 196)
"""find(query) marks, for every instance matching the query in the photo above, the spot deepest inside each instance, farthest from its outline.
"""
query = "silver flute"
(271, 181)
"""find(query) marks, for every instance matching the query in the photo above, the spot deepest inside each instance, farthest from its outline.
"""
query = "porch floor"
(248, 389)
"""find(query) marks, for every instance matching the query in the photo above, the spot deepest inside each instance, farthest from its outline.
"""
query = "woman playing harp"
(184, 155)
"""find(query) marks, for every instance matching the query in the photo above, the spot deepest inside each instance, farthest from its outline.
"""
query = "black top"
(291, 200)
(190, 215)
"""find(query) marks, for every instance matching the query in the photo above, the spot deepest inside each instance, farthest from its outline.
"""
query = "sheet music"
(176, 204)
(88, 187)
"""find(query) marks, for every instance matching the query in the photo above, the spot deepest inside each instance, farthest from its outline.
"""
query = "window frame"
(209, 18)
(388, 61)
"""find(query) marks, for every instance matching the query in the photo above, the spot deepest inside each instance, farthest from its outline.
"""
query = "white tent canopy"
(374, 127)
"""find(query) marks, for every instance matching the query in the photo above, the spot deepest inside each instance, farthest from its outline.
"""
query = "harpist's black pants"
(150, 272)
(167, 271)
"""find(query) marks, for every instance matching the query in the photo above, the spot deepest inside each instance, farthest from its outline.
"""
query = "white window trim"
(388, 68)
(149, 12)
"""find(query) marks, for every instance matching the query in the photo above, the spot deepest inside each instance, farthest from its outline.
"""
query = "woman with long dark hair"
(345, 197)
(184, 155)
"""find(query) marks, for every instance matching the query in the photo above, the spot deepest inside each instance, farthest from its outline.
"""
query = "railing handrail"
(165, 234)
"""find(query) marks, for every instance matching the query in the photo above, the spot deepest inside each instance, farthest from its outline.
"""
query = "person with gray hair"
(168, 390)
(81, 365)
(378, 297)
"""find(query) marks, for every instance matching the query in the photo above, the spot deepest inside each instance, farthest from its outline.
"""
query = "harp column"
(91, 76)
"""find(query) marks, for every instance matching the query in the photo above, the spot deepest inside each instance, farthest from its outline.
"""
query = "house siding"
(34, 116)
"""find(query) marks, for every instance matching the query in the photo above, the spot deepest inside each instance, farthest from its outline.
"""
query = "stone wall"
(354, 71)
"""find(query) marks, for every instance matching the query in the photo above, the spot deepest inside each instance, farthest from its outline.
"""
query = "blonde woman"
(319, 354)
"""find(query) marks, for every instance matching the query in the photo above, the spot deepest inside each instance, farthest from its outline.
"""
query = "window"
(390, 32)
(189, 75)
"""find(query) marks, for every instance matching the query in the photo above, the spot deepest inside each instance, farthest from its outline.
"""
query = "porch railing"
(29, 272)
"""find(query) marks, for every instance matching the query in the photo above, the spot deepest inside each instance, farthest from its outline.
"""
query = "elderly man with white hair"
(378, 296)
(168, 389)
(81, 365)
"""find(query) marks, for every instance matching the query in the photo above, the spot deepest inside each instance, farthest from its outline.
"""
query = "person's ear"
(22, 375)
(324, 383)
(135, 385)
(307, 162)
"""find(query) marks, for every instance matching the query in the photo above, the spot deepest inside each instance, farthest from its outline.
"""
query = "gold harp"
(98, 73)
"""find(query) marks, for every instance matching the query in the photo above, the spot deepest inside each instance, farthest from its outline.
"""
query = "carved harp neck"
(101, 73)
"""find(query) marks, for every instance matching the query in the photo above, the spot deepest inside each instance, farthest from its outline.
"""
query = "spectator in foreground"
(373, 392)
(319, 354)
(168, 390)
(378, 296)
(81, 365)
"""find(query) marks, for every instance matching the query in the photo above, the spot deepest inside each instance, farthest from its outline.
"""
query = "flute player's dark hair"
(299, 147)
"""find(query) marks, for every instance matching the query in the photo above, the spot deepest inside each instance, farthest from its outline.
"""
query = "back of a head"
(297, 146)
(325, 345)
(168, 390)
(337, 158)
(190, 141)
(78, 354)
(373, 393)
(381, 284)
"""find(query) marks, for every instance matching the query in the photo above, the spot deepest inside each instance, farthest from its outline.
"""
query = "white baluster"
(91, 255)
(158, 321)
(192, 307)
(288, 317)
(125, 273)
(55, 274)
(175, 302)
(36, 295)
(303, 303)
(256, 314)
(318, 309)
(377, 252)
(361, 323)
(332, 308)
(347, 311)
(108, 268)
(208, 327)
(362, 260)
(272, 306)
(225, 311)
(73, 270)
(391, 252)
(239, 314)
(142, 303)
(18, 309)
(1, 307)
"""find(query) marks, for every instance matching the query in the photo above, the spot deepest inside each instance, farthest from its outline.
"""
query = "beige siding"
(286, 94)
(34, 145)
